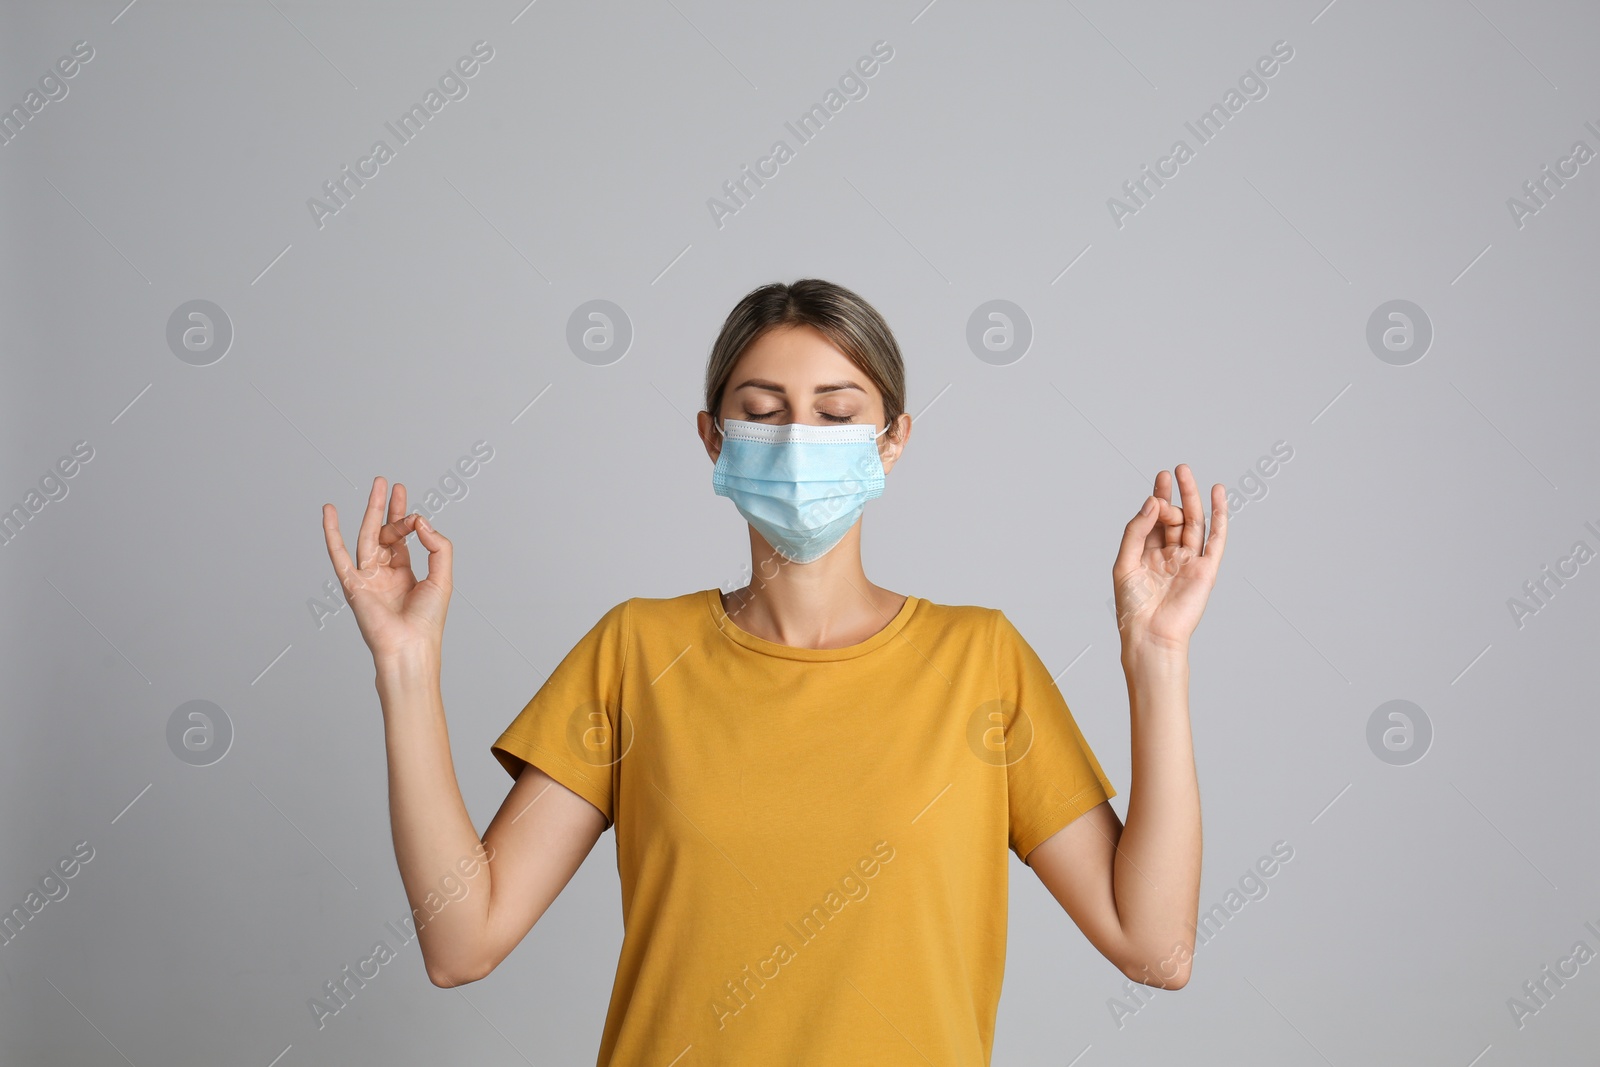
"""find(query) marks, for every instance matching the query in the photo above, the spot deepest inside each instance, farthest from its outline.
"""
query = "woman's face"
(795, 374)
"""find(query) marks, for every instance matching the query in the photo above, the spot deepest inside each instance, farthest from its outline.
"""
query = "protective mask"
(801, 486)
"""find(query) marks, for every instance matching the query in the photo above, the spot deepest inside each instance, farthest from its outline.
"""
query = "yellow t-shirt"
(812, 843)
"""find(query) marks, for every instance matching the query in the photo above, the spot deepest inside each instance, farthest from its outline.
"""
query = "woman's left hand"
(1167, 565)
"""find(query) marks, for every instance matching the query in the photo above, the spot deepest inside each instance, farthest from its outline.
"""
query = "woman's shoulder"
(981, 621)
(974, 616)
(665, 611)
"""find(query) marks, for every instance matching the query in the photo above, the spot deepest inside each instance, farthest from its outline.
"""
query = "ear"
(709, 435)
(891, 449)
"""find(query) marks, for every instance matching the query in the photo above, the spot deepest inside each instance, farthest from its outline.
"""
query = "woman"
(814, 780)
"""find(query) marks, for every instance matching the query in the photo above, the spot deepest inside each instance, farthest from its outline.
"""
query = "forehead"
(797, 359)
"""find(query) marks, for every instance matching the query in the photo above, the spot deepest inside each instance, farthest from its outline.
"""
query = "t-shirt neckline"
(731, 630)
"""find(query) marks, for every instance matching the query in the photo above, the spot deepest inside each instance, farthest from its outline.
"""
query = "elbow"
(1167, 971)
(1176, 981)
(450, 977)
(1172, 978)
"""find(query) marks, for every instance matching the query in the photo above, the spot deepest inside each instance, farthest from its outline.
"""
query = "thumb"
(1133, 537)
(439, 552)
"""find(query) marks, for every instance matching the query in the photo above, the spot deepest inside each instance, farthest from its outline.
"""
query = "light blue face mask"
(801, 486)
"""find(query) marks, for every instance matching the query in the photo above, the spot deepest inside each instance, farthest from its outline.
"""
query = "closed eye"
(756, 417)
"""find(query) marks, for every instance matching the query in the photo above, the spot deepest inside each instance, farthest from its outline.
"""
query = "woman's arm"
(1134, 890)
(473, 900)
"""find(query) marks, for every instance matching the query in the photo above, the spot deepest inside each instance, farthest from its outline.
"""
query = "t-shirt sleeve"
(574, 729)
(1052, 775)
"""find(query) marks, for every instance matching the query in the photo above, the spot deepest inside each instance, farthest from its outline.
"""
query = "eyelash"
(833, 418)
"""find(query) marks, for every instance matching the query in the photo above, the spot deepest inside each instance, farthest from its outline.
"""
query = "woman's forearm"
(1156, 877)
(441, 859)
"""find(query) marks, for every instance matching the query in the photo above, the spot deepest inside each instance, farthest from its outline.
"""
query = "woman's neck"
(827, 603)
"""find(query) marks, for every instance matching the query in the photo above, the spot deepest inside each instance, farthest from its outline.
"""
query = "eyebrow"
(775, 387)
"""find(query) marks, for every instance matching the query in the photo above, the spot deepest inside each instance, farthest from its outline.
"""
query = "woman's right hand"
(397, 614)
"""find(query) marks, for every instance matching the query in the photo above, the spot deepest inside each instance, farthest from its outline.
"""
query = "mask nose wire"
(875, 436)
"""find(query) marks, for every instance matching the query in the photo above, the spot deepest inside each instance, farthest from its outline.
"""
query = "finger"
(393, 537)
(1170, 517)
(398, 530)
(1162, 491)
(1134, 535)
(1163, 532)
(440, 552)
(1219, 523)
(371, 519)
(397, 502)
(336, 550)
(1194, 514)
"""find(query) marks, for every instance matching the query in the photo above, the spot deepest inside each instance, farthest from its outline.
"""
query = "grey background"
(1230, 313)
